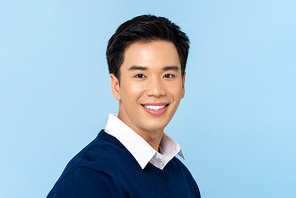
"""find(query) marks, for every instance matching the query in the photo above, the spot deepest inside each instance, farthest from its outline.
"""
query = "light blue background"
(236, 124)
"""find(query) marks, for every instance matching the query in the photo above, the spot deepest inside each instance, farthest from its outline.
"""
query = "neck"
(152, 138)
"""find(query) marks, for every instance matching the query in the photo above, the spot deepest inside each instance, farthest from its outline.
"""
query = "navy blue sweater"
(105, 168)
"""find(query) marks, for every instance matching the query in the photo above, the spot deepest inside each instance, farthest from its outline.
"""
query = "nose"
(155, 87)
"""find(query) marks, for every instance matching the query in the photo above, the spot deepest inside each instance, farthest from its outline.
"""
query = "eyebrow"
(137, 68)
(175, 68)
(167, 68)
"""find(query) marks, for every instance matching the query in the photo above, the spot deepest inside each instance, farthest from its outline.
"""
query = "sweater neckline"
(161, 173)
(164, 174)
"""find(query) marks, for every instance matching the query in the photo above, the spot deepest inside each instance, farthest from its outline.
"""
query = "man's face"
(151, 86)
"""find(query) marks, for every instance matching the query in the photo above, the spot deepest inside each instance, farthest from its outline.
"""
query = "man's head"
(145, 28)
(147, 57)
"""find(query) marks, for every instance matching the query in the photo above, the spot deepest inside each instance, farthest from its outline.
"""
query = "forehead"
(155, 53)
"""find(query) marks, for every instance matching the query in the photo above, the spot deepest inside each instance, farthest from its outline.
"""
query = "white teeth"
(155, 108)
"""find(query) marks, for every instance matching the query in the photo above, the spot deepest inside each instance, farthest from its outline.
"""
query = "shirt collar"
(137, 146)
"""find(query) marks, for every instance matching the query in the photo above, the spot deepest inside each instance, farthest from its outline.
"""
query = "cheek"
(136, 88)
(132, 90)
(176, 91)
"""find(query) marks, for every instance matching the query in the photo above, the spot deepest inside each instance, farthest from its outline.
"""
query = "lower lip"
(158, 112)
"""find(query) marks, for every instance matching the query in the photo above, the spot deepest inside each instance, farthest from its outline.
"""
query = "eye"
(140, 76)
(168, 76)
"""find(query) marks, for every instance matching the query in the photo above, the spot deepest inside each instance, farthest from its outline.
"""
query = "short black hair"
(145, 28)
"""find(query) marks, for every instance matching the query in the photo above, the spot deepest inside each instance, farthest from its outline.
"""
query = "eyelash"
(138, 76)
(165, 76)
(170, 75)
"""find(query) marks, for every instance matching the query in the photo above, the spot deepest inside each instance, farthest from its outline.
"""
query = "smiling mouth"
(155, 109)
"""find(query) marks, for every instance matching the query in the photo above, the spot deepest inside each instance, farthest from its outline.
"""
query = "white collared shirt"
(139, 148)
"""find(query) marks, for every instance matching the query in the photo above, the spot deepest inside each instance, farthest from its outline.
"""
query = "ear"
(183, 85)
(115, 87)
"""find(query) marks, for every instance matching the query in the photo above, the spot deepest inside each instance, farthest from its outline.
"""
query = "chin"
(156, 126)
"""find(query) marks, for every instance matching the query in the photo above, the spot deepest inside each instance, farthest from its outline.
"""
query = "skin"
(150, 75)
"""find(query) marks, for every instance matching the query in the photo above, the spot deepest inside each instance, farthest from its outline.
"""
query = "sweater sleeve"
(85, 183)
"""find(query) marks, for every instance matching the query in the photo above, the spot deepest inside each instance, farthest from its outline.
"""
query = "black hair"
(145, 28)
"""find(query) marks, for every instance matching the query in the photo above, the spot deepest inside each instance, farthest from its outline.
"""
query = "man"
(133, 157)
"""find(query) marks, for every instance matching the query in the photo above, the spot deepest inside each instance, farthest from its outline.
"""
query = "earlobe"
(115, 87)
(183, 85)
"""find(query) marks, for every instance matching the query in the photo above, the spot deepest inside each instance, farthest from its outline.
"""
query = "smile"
(155, 109)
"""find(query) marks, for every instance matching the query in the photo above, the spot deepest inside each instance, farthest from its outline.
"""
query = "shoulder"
(85, 182)
(175, 163)
(104, 153)
(178, 170)
(178, 167)
(94, 169)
